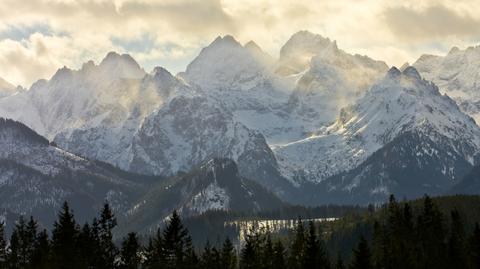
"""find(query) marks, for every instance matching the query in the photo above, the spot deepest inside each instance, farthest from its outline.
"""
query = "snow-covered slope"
(37, 177)
(456, 74)
(331, 80)
(191, 129)
(213, 185)
(94, 95)
(242, 78)
(6, 89)
(109, 135)
(401, 102)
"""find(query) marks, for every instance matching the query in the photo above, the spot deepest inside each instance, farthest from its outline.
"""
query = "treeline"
(401, 239)
(427, 239)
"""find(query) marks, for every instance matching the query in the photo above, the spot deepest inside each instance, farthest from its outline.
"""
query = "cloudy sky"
(39, 36)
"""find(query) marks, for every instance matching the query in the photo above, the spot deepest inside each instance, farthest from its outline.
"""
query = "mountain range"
(240, 130)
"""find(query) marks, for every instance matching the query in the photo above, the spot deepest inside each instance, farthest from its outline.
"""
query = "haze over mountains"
(317, 125)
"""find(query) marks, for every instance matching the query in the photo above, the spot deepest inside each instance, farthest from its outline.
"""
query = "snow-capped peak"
(6, 88)
(410, 71)
(456, 74)
(123, 66)
(225, 65)
(297, 52)
(400, 102)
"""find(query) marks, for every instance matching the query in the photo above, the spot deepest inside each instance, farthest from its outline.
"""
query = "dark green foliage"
(401, 235)
(41, 253)
(3, 246)
(64, 237)
(130, 252)
(106, 223)
(250, 256)
(297, 249)
(362, 258)
(228, 256)
(475, 248)
(457, 243)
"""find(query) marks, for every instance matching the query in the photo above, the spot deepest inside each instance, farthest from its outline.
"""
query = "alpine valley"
(240, 130)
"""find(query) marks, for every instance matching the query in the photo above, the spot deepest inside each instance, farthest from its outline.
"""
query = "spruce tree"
(130, 252)
(457, 245)
(430, 237)
(190, 257)
(475, 247)
(64, 240)
(3, 246)
(13, 256)
(107, 223)
(379, 246)
(22, 243)
(248, 258)
(312, 248)
(297, 249)
(88, 246)
(361, 256)
(211, 257)
(174, 237)
(41, 254)
(154, 252)
(228, 256)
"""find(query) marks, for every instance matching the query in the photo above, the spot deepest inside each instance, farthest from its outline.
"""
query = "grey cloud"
(433, 22)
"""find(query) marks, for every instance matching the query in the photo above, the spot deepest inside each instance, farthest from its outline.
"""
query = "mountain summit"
(400, 103)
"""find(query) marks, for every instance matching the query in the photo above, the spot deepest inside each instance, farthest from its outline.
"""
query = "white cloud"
(47, 34)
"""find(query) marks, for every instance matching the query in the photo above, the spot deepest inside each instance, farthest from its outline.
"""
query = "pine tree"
(250, 257)
(361, 256)
(13, 256)
(297, 249)
(154, 252)
(130, 252)
(64, 240)
(379, 246)
(107, 222)
(3, 246)
(210, 257)
(88, 246)
(41, 254)
(475, 247)
(457, 245)
(312, 248)
(22, 243)
(191, 258)
(228, 257)
(174, 237)
(279, 256)
(430, 237)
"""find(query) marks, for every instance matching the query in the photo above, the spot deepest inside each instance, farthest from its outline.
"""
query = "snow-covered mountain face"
(213, 185)
(242, 78)
(191, 129)
(330, 80)
(283, 106)
(108, 136)
(36, 177)
(107, 94)
(6, 89)
(456, 74)
(399, 103)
